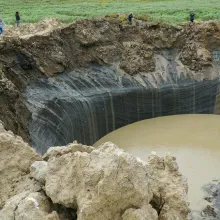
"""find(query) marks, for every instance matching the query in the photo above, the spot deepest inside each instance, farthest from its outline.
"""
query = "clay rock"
(107, 183)
(70, 148)
(102, 180)
(168, 186)
(16, 156)
(139, 214)
(26, 206)
(39, 170)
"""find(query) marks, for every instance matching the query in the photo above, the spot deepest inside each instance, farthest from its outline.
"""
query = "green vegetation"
(170, 11)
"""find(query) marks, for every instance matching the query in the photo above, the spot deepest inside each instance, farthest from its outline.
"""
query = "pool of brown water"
(193, 139)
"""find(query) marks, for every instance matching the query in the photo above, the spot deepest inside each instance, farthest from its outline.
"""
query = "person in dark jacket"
(192, 17)
(17, 17)
(130, 18)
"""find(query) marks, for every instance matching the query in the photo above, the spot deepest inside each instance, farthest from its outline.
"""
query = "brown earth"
(50, 47)
(88, 183)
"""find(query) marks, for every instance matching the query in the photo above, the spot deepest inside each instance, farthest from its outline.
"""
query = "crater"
(89, 78)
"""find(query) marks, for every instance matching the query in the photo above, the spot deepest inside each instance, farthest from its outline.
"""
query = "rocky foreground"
(82, 182)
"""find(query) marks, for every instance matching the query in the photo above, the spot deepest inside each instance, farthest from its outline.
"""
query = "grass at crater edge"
(174, 11)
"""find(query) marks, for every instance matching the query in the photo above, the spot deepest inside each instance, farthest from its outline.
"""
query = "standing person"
(2, 25)
(192, 17)
(17, 17)
(130, 18)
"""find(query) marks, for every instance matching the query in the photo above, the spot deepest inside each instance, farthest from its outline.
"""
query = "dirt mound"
(27, 30)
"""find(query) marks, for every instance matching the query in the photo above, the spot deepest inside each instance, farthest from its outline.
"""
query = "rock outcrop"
(107, 183)
(97, 183)
(16, 157)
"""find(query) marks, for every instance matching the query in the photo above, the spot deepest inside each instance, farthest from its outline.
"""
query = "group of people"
(17, 18)
(2, 23)
(192, 17)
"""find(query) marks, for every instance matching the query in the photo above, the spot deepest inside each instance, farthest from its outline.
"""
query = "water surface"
(193, 139)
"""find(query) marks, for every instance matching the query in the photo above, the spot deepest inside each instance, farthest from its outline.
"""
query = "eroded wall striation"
(87, 104)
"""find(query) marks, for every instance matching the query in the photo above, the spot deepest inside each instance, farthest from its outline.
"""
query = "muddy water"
(193, 139)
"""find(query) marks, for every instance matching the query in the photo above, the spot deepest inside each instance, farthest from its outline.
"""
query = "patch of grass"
(169, 11)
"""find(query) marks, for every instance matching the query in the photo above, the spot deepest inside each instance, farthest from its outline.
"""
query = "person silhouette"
(192, 17)
(17, 17)
(130, 16)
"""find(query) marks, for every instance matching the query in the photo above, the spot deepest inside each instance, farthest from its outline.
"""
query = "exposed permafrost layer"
(86, 104)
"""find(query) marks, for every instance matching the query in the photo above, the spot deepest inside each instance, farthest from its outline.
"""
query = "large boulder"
(100, 183)
(107, 183)
(16, 156)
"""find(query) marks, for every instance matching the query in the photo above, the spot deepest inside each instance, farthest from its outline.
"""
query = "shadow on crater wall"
(87, 104)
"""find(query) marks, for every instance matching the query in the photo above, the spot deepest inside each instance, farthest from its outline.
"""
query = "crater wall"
(83, 80)
(87, 104)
